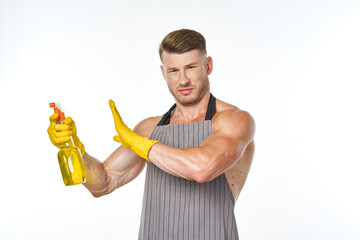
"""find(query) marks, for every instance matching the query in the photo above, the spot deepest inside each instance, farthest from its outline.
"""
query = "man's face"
(187, 75)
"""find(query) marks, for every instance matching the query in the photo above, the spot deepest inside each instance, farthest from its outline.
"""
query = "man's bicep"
(222, 149)
(232, 134)
(236, 126)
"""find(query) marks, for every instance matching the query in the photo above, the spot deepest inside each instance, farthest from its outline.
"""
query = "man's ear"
(163, 71)
(209, 65)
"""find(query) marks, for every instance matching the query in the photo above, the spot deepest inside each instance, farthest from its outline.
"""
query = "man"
(199, 153)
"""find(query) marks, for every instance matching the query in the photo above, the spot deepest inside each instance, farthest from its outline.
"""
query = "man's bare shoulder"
(146, 126)
(230, 117)
(224, 108)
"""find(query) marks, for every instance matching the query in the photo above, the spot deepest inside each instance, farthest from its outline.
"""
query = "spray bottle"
(70, 160)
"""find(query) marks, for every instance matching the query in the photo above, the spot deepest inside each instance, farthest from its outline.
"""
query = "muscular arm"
(121, 167)
(233, 132)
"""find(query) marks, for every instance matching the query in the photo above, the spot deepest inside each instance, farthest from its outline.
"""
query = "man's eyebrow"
(187, 65)
(193, 63)
(171, 68)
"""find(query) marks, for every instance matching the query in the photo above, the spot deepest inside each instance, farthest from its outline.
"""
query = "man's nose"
(184, 79)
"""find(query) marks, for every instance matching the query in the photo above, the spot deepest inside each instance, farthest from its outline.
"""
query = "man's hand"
(59, 134)
(140, 145)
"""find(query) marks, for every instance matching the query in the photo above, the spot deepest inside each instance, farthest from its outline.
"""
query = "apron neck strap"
(209, 112)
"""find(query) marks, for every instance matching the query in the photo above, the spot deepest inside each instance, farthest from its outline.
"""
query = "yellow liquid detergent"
(70, 160)
(71, 165)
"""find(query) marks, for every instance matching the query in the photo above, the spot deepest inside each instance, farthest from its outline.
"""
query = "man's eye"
(171, 71)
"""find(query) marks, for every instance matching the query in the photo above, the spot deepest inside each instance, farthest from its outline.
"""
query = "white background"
(294, 65)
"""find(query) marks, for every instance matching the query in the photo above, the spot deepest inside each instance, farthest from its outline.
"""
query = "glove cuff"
(79, 144)
(143, 146)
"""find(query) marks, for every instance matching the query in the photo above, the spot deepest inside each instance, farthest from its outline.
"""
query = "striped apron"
(177, 209)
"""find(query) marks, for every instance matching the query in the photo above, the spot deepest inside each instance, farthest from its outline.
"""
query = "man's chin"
(187, 100)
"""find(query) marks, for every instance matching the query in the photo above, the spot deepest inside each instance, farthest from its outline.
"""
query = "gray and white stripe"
(179, 209)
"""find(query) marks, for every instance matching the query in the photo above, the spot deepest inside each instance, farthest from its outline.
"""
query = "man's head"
(185, 65)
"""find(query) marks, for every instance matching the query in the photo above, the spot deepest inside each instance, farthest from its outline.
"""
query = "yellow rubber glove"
(59, 134)
(139, 144)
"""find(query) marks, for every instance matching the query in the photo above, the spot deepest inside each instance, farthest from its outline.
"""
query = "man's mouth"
(185, 91)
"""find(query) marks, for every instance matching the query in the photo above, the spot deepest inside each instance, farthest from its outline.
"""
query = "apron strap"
(211, 108)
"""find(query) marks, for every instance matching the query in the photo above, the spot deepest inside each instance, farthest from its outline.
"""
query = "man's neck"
(192, 113)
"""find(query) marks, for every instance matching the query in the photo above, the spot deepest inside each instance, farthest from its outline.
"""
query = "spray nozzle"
(58, 110)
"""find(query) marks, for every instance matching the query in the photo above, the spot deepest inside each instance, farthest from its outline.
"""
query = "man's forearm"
(169, 160)
(202, 164)
(96, 176)
(193, 163)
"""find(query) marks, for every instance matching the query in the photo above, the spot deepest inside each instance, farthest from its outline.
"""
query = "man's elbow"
(99, 191)
(204, 170)
(204, 177)
(97, 194)
(204, 174)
